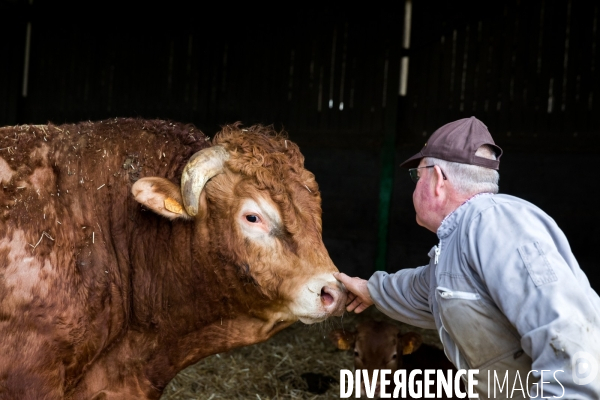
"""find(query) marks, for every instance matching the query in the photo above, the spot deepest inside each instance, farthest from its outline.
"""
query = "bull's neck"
(215, 338)
(190, 299)
(166, 279)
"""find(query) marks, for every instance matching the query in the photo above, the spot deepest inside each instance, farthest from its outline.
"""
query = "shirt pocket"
(537, 264)
(480, 331)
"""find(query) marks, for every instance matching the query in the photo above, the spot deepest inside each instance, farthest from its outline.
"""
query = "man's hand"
(359, 298)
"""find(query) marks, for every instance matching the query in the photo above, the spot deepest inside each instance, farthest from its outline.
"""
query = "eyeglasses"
(414, 173)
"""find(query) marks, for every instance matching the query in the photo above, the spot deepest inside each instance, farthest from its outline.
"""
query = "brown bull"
(130, 249)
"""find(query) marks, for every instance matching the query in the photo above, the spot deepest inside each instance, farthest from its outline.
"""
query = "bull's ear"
(342, 339)
(161, 196)
(409, 342)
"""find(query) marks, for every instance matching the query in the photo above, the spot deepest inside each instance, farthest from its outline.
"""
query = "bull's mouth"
(313, 319)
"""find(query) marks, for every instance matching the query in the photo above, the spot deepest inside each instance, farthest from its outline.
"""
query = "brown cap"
(458, 141)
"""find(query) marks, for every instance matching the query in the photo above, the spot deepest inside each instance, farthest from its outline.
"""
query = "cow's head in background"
(380, 345)
(376, 344)
(256, 207)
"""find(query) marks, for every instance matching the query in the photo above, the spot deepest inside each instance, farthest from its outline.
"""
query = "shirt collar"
(450, 221)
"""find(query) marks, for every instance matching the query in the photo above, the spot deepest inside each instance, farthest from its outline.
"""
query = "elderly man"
(502, 287)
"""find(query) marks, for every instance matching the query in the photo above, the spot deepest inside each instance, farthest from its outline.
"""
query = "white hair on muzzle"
(470, 179)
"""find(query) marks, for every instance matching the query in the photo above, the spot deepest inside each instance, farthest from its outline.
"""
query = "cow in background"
(131, 249)
(380, 345)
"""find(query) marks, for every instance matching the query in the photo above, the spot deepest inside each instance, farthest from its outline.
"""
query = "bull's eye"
(356, 354)
(394, 357)
(252, 218)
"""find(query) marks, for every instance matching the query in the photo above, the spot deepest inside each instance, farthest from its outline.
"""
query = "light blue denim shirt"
(505, 293)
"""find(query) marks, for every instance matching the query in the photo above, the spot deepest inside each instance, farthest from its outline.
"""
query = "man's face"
(424, 196)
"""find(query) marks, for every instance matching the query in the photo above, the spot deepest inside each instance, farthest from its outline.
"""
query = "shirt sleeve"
(403, 295)
(525, 262)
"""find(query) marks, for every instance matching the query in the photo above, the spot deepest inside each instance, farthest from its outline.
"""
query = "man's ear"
(409, 342)
(440, 180)
(342, 339)
(161, 196)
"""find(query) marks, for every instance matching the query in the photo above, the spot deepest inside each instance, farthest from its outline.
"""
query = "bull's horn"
(202, 166)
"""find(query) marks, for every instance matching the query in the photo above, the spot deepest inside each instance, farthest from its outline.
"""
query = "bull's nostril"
(326, 298)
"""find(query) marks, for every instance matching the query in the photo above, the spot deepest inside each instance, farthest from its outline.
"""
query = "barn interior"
(358, 87)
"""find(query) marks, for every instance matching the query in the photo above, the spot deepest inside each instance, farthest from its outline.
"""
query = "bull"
(131, 249)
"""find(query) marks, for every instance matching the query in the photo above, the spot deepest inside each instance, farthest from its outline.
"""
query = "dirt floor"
(298, 363)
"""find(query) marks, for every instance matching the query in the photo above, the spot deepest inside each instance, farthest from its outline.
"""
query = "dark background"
(329, 75)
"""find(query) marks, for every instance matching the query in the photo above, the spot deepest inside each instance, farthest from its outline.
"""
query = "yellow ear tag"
(173, 206)
(343, 344)
(409, 348)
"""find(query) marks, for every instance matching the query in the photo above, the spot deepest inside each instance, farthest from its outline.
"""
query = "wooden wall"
(529, 69)
(329, 73)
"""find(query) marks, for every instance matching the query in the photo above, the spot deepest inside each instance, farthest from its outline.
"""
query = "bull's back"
(66, 218)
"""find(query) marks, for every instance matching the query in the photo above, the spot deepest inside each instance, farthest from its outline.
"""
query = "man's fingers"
(342, 277)
(354, 304)
(362, 307)
(357, 306)
(351, 297)
(358, 298)
(351, 284)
